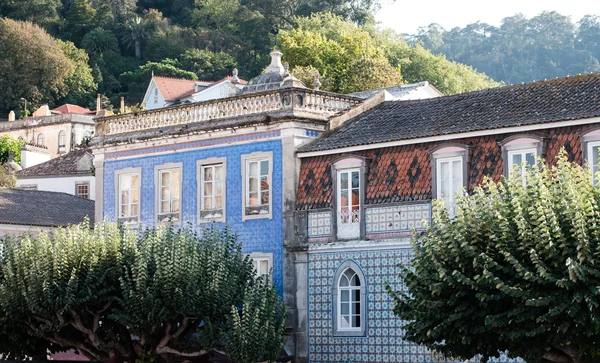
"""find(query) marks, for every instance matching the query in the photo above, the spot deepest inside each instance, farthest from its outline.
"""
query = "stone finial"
(11, 156)
(11, 116)
(234, 76)
(98, 104)
(286, 70)
(316, 83)
(275, 66)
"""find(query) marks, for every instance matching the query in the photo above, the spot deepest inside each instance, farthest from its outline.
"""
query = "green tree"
(176, 291)
(516, 270)
(99, 41)
(342, 52)
(32, 65)
(9, 144)
(44, 13)
(206, 64)
(79, 19)
(81, 86)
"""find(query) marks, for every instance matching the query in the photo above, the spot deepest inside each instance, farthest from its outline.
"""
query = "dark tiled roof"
(560, 99)
(74, 163)
(41, 208)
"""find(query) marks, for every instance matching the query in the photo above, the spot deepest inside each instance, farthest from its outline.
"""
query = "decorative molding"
(191, 145)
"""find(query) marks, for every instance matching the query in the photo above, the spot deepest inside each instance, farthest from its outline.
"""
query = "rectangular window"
(348, 203)
(257, 185)
(83, 190)
(168, 193)
(522, 158)
(593, 159)
(262, 263)
(129, 197)
(211, 183)
(449, 175)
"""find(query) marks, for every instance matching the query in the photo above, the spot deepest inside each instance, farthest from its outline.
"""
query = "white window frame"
(246, 159)
(338, 330)
(590, 159)
(43, 139)
(200, 165)
(351, 227)
(450, 201)
(172, 218)
(257, 257)
(118, 210)
(86, 184)
(523, 152)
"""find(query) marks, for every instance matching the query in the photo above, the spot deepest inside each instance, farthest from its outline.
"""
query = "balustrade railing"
(323, 104)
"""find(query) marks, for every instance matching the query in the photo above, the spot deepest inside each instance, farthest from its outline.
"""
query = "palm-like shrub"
(110, 292)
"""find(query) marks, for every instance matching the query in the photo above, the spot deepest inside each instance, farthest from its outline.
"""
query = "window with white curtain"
(211, 193)
(449, 180)
(169, 193)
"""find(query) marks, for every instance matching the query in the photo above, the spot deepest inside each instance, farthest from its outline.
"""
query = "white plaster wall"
(150, 103)
(420, 94)
(17, 229)
(30, 158)
(60, 184)
(220, 91)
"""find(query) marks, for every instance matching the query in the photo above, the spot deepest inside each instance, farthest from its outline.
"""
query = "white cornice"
(371, 245)
(422, 140)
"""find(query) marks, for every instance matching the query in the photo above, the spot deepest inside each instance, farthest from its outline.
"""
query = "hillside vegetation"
(113, 47)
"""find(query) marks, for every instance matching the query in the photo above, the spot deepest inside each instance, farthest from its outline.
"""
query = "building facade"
(55, 131)
(229, 161)
(368, 183)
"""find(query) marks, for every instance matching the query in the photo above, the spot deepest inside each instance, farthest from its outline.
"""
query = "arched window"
(349, 301)
(62, 139)
(519, 152)
(40, 139)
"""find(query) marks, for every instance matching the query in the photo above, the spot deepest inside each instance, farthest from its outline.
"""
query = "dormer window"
(348, 174)
(449, 173)
(520, 152)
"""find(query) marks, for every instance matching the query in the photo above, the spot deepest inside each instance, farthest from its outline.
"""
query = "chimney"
(275, 66)
(122, 109)
(11, 116)
(42, 111)
(98, 104)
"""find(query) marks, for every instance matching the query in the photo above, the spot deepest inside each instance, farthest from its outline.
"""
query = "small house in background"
(71, 173)
(403, 92)
(32, 211)
(166, 91)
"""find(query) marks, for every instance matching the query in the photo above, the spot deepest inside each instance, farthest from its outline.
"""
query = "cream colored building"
(58, 130)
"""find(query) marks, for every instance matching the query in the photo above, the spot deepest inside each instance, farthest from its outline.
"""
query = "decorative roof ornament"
(234, 77)
(316, 83)
(275, 66)
(286, 70)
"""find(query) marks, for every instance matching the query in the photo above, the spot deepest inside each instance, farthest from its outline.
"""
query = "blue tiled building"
(229, 161)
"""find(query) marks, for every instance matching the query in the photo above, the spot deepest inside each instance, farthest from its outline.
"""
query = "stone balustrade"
(292, 101)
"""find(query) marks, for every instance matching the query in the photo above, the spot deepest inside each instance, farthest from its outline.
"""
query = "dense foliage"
(9, 144)
(521, 50)
(516, 270)
(110, 293)
(127, 38)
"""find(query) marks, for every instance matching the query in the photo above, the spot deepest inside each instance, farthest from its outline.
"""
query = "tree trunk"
(138, 49)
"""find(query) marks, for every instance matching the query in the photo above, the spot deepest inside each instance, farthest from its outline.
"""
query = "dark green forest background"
(57, 51)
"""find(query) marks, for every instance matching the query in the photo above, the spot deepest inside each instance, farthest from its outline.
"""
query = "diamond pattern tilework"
(319, 224)
(399, 218)
(383, 342)
(403, 173)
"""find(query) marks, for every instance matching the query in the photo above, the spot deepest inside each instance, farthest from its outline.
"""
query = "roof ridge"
(497, 89)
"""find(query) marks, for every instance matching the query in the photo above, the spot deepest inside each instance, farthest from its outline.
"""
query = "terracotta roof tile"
(69, 108)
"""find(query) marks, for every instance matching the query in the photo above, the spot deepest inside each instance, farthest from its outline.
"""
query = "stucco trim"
(260, 155)
(464, 155)
(539, 146)
(116, 183)
(363, 301)
(157, 170)
(199, 192)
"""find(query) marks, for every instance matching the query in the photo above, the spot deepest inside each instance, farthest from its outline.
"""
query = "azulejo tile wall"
(257, 235)
(383, 341)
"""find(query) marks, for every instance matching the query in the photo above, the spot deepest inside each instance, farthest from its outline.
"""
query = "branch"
(169, 350)
(556, 358)
(78, 345)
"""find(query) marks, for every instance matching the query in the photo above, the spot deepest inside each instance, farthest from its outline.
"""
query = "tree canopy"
(114, 293)
(545, 46)
(515, 271)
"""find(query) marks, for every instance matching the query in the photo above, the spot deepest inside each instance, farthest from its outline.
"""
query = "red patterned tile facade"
(403, 173)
